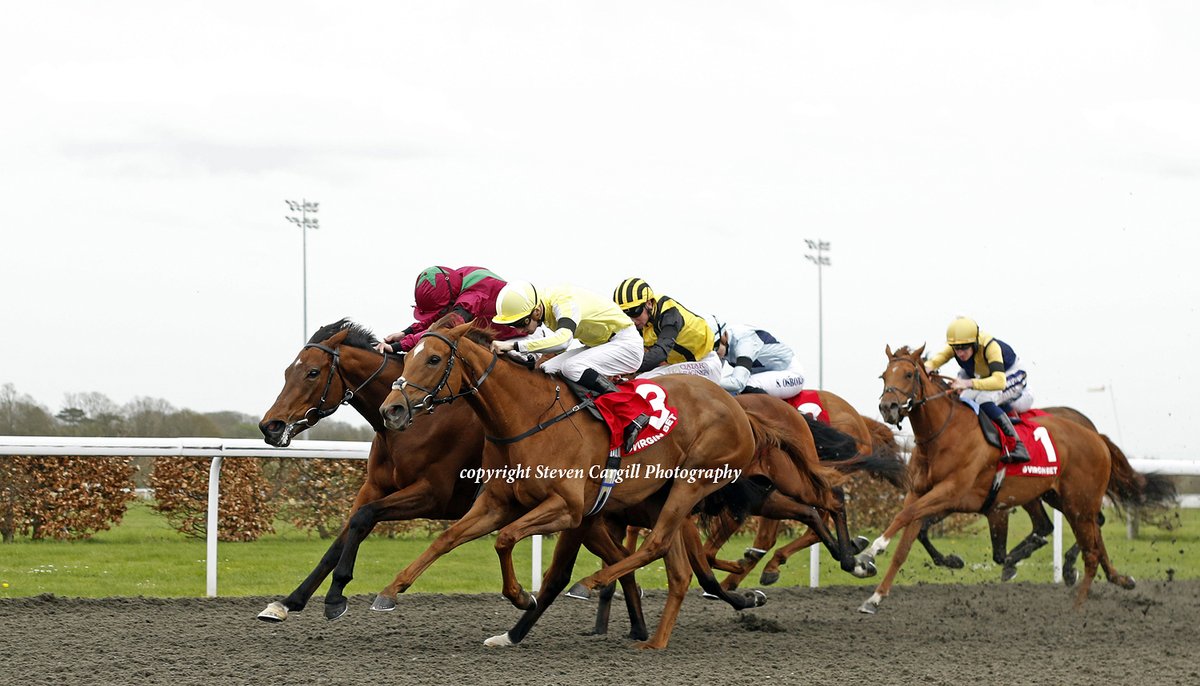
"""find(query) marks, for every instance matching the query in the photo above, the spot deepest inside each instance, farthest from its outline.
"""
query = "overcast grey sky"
(1034, 165)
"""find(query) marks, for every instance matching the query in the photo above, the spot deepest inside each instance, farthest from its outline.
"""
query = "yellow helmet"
(515, 302)
(631, 293)
(962, 331)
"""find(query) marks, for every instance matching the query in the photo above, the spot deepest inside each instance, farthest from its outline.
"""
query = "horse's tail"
(772, 436)
(883, 461)
(1128, 488)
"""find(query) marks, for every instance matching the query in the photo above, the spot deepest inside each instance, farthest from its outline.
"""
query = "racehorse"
(871, 438)
(562, 459)
(410, 475)
(955, 467)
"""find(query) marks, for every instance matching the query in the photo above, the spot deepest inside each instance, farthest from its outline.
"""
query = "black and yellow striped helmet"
(631, 293)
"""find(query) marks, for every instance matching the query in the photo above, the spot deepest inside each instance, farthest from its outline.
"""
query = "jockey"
(990, 374)
(467, 294)
(754, 358)
(611, 345)
(676, 340)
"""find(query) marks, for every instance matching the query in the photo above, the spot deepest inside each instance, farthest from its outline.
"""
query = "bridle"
(320, 411)
(915, 398)
(431, 399)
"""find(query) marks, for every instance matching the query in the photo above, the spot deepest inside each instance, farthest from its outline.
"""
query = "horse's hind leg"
(1087, 535)
(696, 555)
(939, 560)
(770, 573)
(764, 539)
(604, 545)
(1042, 527)
(679, 575)
(566, 549)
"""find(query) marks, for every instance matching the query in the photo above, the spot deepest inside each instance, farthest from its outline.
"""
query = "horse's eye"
(313, 373)
(433, 360)
(908, 375)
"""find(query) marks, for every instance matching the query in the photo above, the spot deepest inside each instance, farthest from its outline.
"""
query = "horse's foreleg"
(297, 600)
(566, 549)
(484, 517)
(998, 534)
(765, 538)
(936, 501)
(679, 576)
(403, 504)
(603, 544)
(725, 526)
(871, 606)
(550, 516)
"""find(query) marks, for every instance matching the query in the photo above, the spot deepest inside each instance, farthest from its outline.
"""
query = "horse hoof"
(580, 591)
(953, 562)
(525, 601)
(1008, 573)
(869, 608)
(1128, 584)
(276, 612)
(859, 544)
(768, 578)
(335, 609)
(383, 604)
(499, 641)
(1070, 577)
(646, 645)
(865, 569)
(757, 598)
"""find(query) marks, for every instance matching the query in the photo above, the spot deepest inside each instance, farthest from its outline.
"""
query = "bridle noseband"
(431, 399)
(320, 410)
(915, 398)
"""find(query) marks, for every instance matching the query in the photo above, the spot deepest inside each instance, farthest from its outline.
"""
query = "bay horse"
(954, 469)
(562, 459)
(409, 475)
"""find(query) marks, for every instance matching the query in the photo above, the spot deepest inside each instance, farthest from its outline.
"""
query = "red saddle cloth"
(1043, 459)
(632, 398)
(809, 402)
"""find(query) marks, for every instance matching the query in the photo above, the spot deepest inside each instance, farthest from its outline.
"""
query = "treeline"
(95, 414)
(74, 497)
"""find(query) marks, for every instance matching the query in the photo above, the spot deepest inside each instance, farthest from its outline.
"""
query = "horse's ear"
(920, 352)
(888, 350)
(337, 338)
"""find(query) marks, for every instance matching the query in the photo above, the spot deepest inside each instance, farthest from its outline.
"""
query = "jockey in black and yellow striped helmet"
(677, 340)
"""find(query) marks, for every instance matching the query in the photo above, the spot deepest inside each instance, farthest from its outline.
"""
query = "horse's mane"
(357, 336)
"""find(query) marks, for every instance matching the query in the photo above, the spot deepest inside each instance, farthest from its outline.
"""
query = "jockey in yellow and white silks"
(611, 344)
(753, 357)
(676, 340)
(990, 374)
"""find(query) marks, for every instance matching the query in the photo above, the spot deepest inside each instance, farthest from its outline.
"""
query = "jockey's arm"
(995, 380)
(669, 326)
(555, 342)
(939, 358)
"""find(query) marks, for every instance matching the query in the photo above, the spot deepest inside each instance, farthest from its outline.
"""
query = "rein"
(542, 426)
(335, 367)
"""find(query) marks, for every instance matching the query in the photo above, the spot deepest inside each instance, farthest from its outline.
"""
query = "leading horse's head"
(313, 384)
(435, 373)
(904, 382)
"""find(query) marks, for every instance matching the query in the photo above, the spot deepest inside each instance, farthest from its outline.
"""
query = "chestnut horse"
(954, 469)
(410, 475)
(562, 461)
(871, 439)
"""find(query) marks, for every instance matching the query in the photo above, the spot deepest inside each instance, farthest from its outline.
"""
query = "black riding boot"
(591, 380)
(1020, 453)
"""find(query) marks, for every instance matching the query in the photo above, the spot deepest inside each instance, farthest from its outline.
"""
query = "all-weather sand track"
(1021, 633)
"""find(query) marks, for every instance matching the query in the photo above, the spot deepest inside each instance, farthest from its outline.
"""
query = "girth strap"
(612, 467)
(995, 490)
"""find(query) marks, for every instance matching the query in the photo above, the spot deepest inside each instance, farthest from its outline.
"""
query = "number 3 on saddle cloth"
(1043, 460)
(809, 402)
(632, 399)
